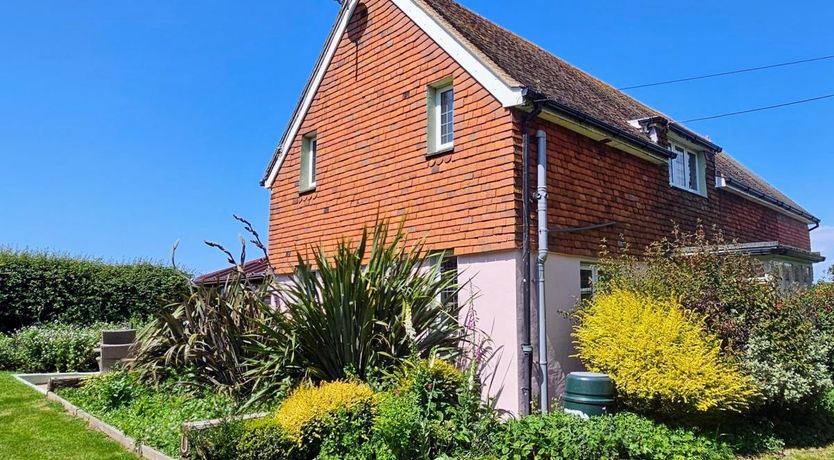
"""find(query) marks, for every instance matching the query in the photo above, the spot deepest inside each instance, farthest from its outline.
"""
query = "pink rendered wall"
(493, 286)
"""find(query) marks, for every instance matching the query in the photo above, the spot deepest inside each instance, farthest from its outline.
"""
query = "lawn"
(31, 427)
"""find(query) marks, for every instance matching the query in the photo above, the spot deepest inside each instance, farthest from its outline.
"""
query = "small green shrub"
(51, 347)
(659, 355)
(43, 287)
(562, 436)
(8, 353)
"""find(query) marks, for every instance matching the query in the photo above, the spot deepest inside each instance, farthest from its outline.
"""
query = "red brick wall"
(591, 183)
(370, 119)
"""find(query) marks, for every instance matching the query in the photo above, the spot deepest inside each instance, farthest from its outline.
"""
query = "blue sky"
(127, 126)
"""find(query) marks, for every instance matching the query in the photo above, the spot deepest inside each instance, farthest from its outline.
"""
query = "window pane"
(678, 170)
(447, 117)
(449, 296)
(313, 148)
(693, 171)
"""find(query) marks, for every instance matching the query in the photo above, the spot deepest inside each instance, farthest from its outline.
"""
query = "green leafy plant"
(51, 347)
(624, 435)
(153, 415)
(44, 287)
(209, 338)
(372, 304)
(781, 343)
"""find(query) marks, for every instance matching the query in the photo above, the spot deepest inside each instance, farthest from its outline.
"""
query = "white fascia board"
(508, 96)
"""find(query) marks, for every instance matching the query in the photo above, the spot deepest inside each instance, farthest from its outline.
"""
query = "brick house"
(423, 109)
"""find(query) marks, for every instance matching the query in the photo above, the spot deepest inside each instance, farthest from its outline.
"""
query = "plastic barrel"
(589, 393)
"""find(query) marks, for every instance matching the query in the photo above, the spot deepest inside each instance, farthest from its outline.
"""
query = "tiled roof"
(254, 269)
(542, 72)
(730, 168)
(555, 79)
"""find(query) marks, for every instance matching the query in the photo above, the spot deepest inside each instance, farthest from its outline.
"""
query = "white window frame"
(594, 269)
(309, 154)
(700, 170)
(436, 92)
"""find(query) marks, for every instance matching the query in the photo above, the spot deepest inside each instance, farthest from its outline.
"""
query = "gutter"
(615, 132)
(725, 182)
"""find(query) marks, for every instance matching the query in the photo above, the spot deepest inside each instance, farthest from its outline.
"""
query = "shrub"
(211, 339)
(52, 347)
(369, 306)
(41, 287)
(8, 353)
(309, 412)
(432, 380)
(562, 436)
(777, 338)
(659, 355)
(789, 358)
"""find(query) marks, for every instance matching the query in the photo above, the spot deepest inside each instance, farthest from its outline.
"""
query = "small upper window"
(309, 146)
(441, 118)
(687, 170)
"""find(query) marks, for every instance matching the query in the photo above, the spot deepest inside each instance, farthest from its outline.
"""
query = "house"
(423, 109)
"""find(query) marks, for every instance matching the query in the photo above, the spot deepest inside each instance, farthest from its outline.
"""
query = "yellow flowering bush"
(659, 354)
(309, 410)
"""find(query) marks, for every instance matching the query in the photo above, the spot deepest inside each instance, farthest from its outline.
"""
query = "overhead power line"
(759, 109)
(731, 72)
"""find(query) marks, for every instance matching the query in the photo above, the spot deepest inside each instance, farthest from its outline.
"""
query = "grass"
(31, 427)
(825, 453)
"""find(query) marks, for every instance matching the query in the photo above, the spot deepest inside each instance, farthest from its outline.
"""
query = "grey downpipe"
(526, 347)
(541, 214)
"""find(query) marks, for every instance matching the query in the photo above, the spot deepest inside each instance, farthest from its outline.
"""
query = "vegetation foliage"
(51, 347)
(43, 287)
(150, 414)
(659, 355)
(777, 339)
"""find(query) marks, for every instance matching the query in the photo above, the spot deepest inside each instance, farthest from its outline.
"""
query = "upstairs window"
(309, 146)
(687, 170)
(441, 116)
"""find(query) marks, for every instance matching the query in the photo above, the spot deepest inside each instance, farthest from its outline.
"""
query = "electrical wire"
(731, 72)
(758, 109)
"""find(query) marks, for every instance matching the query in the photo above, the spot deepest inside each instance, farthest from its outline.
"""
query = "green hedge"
(40, 287)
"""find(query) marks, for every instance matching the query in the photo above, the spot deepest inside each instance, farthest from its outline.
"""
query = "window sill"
(694, 192)
(307, 190)
(439, 152)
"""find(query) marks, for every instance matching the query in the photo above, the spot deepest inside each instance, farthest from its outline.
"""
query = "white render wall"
(493, 286)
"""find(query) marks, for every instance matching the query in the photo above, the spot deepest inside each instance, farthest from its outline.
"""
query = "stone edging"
(143, 450)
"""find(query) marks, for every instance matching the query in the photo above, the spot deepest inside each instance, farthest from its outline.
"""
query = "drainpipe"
(526, 347)
(541, 196)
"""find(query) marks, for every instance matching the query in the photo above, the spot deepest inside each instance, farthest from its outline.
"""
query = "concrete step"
(121, 351)
(118, 337)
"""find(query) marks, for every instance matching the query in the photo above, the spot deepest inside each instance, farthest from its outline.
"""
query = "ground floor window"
(789, 272)
(588, 277)
(449, 296)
